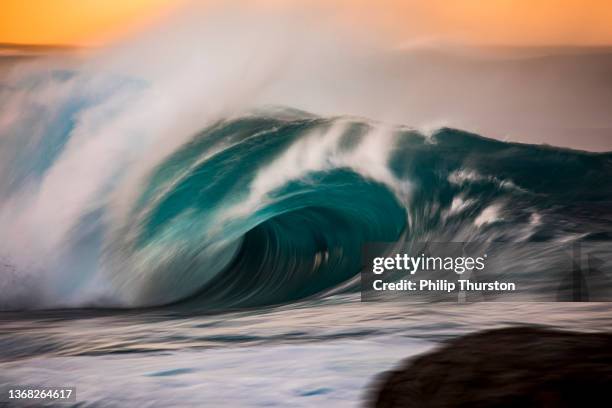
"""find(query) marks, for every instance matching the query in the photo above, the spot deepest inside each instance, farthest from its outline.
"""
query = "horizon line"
(26, 45)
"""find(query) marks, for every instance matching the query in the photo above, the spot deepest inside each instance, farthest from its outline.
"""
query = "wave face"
(259, 210)
(268, 207)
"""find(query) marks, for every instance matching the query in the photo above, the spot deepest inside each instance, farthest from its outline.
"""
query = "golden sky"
(75, 22)
(522, 22)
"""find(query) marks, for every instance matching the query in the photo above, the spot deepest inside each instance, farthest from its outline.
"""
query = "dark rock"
(513, 367)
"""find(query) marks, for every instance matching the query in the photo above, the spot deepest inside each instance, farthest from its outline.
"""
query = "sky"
(473, 22)
(76, 22)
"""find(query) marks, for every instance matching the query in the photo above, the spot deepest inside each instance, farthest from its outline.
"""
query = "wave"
(266, 207)
(278, 212)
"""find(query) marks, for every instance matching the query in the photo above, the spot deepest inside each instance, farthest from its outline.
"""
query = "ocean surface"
(151, 265)
(307, 354)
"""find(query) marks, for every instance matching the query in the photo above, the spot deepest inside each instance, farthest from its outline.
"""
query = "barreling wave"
(275, 206)
(270, 208)
(259, 210)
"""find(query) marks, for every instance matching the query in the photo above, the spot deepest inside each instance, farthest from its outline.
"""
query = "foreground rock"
(514, 367)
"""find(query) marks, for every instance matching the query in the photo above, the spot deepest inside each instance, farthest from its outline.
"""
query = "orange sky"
(525, 22)
(75, 21)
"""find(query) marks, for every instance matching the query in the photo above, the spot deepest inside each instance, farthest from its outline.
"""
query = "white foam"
(489, 215)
